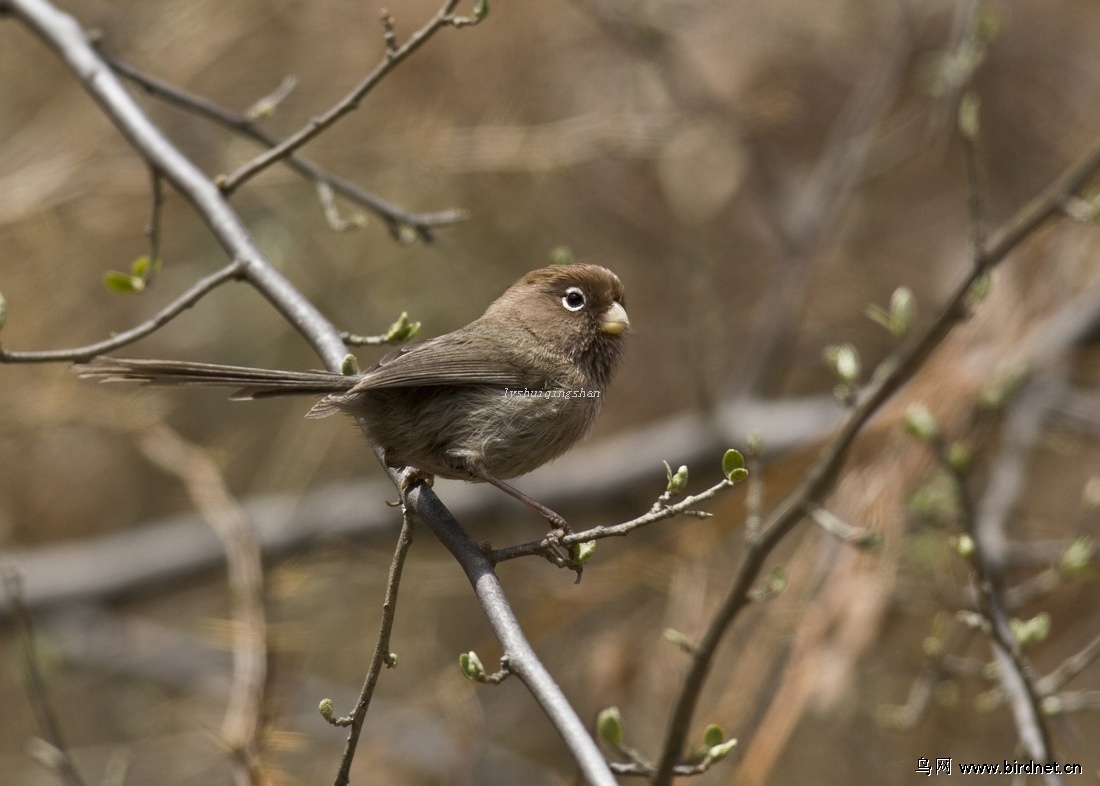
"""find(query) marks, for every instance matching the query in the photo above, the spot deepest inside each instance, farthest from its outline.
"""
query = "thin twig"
(684, 507)
(636, 770)
(197, 292)
(987, 555)
(382, 655)
(389, 36)
(395, 218)
(1032, 588)
(1070, 668)
(336, 222)
(443, 18)
(1016, 673)
(1047, 687)
(267, 105)
(1072, 701)
(840, 529)
(156, 211)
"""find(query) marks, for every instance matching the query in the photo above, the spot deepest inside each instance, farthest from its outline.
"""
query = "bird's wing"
(453, 359)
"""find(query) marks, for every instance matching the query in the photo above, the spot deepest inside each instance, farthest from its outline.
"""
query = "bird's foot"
(410, 476)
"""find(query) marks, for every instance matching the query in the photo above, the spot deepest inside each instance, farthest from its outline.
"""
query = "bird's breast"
(511, 431)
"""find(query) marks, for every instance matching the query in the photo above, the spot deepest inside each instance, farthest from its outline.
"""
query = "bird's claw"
(410, 476)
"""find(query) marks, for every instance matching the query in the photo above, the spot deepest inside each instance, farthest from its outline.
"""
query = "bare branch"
(382, 655)
(197, 292)
(684, 507)
(1072, 701)
(394, 56)
(840, 529)
(336, 222)
(818, 479)
(395, 218)
(1070, 668)
(1015, 670)
(521, 658)
(266, 106)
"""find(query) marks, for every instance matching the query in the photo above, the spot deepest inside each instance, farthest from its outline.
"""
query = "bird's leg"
(555, 519)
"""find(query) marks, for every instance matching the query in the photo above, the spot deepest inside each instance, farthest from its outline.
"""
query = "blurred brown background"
(755, 172)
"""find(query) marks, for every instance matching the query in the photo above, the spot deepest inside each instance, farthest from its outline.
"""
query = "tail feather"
(251, 383)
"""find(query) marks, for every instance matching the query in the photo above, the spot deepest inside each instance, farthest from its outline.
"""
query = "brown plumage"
(490, 401)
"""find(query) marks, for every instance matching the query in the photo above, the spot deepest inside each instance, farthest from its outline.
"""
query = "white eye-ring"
(573, 299)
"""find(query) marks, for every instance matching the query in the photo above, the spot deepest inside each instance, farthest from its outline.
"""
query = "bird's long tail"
(251, 383)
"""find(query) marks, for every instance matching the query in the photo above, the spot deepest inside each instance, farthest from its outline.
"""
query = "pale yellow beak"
(614, 320)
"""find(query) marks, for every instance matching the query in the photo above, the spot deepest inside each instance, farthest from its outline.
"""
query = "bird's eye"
(573, 299)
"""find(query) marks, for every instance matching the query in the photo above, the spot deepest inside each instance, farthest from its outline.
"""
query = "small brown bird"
(493, 400)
